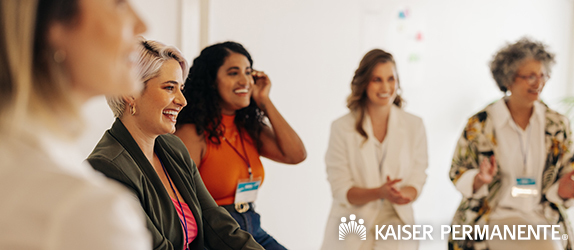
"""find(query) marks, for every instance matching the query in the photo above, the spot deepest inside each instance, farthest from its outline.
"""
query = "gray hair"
(151, 57)
(508, 59)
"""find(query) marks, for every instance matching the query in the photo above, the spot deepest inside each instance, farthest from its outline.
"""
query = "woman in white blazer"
(376, 160)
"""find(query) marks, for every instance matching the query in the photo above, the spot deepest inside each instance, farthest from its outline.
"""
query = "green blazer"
(119, 157)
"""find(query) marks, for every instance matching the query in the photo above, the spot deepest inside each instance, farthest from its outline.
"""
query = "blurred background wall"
(311, 48)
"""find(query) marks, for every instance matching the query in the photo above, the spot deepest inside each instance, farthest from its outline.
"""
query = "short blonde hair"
(151, 57)
(33, 86)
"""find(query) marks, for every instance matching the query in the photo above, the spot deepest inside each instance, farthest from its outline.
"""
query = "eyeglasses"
(532, 79)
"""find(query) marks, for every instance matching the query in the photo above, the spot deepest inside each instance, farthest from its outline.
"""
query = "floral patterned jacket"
(478, 140)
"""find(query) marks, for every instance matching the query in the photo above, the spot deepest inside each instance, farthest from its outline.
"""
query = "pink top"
(191, 224)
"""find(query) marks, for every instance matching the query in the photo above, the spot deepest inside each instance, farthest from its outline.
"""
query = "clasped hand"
(390, 192)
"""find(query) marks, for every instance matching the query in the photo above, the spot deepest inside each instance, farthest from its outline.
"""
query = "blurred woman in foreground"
(54, 56)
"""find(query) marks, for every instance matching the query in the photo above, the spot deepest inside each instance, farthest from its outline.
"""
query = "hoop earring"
(59, 56)
(133, 109)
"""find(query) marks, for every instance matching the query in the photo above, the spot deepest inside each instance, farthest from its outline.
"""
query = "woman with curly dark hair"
(224, 129)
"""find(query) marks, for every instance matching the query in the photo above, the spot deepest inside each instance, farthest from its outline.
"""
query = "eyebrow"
(236, 68)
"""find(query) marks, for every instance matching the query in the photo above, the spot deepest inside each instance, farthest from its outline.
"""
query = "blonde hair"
(33, 86)
(151, 57)
(357, 100)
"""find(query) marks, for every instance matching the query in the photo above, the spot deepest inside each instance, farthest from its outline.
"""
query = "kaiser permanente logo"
(457, 232)
(352, 227)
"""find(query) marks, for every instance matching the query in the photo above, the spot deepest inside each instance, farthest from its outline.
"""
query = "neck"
(520, 111)
(379, 113)
(144, 140)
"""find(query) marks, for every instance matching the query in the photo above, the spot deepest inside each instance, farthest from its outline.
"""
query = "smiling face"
(381, 90)
(100, 47)
(521, 89)
(234, 83)
(162, 99)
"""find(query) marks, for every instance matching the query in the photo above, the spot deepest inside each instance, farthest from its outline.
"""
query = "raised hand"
(488, 169)
(261, 88)
(566, 186)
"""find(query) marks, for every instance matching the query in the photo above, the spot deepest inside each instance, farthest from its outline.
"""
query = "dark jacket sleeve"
(108, 168)
(220, 229)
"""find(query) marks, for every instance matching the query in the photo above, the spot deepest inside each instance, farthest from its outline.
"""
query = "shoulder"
(113, 160)
(344, 123)
(108, 148)
(57, 199)
(176, 147)
(552, 114)
(554, 121)
(407, 117)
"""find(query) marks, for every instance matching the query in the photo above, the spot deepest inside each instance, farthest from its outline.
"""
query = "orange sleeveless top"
(221, 167)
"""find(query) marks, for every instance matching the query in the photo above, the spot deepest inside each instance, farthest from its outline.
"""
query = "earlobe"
(57, 36)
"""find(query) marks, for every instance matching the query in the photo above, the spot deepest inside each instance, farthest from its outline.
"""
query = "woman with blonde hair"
(140, 152)
(54, 56)
(376, 159)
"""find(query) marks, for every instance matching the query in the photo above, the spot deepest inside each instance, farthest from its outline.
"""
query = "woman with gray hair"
(512, 163)
(140, 152)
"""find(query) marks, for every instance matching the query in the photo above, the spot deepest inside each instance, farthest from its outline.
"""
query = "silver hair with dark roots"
(507, 60)
(151, 57)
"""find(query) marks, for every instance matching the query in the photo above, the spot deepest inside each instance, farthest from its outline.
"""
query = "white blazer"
(352, 162)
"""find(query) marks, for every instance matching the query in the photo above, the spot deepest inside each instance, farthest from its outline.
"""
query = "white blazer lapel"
(392, 162)
(371, 166)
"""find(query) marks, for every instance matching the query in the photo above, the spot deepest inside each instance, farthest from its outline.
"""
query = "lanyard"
(524, 151)
(246, 158)
(184, 222)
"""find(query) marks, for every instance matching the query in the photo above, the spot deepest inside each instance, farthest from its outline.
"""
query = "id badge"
(524, 187)
(247, 190)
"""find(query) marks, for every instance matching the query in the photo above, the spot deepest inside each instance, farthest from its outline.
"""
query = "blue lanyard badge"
(247, 190)
(524, 187)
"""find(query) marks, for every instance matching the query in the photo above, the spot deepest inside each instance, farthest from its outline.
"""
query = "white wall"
(310, 49)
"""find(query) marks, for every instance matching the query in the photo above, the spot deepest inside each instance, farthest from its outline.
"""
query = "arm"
(416, 180)
(338, 165)
(466, 174)
(279, 142)
(195, 144)
(108, 168)
(562, 192)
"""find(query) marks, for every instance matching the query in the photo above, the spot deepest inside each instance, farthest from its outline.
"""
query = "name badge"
(524, 187)
(247, 190)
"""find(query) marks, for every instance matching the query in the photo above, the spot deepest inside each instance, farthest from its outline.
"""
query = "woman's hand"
(488, 169)
(566, 186)
(391, 193)
(261, 89)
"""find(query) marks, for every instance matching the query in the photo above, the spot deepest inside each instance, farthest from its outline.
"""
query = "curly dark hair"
(203, 98)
